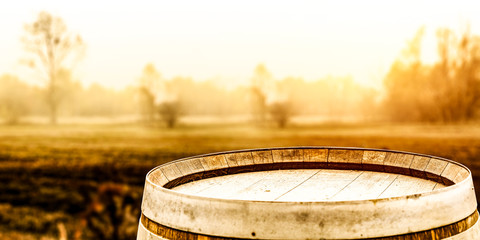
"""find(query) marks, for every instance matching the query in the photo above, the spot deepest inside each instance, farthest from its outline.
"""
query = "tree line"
(445, 91)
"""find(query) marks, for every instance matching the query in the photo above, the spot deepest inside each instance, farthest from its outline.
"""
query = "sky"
(223, 41)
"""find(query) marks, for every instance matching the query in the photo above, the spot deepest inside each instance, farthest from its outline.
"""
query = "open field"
(86, 181)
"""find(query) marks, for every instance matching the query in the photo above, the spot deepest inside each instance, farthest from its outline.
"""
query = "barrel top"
(309, 185)
(307, 192)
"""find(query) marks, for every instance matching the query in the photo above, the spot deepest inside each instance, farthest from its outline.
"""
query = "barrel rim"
(447, 188)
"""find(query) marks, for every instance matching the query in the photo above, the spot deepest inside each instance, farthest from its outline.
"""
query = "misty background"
(93, 94)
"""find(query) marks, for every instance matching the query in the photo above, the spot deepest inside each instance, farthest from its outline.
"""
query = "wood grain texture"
(262, 157)
(287, 155)
(190, 166)
(315, 155)
(445, 232)
(308, 185)
(398, 162)
(407, 185)
(239, 159)
(171, 171)
(368, 185)
(158, 177)
(374, 157)
(214, 162)
(321, 186)
(434, 169)
(417, 168)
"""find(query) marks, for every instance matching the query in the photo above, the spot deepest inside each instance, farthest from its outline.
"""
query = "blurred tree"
(447, 91)
(457, 75)
(48, 40)
(405, 83)
(149, 83)
(14, 98)
(260, 82)
(170, 112)
(280, 112)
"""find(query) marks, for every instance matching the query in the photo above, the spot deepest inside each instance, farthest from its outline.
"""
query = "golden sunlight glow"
(225, 40)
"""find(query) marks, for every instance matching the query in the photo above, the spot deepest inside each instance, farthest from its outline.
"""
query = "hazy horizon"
(223, 42)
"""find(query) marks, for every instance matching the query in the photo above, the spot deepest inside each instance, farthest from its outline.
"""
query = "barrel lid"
(308, 193)
(309, 185)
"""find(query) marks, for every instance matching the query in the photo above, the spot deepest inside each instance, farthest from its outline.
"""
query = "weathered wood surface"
(309, 185)
(466, 229)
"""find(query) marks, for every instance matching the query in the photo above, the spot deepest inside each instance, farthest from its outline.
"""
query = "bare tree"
(258, 93)
(281, 113)
(14, 96)
(149, 83)
(52, 46)
(447, 91)
(170, 112)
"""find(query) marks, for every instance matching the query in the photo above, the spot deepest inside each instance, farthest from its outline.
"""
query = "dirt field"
(86, 181)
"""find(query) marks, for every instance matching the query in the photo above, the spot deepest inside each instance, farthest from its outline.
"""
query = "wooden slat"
(274, 185)
(369, 185)
(315, 155)
(190, 166)
(462, 175)
(417, 168)
(171, 171)
(239, 159)
(262, 157)
(450, 172)
(373, 157)
(204, 184)
(214, 162)
(435, 168)
(229, 189)
(287, 155)
(321, 186)
(407, 185)
(158, 177)
(398, 162)
(345, 156)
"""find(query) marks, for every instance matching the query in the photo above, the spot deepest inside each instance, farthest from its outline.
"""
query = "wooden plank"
(158, 177)
(373, 157)
(190, 166)
(287, 155)
(337, 158)
(315, 155)
(407, 185)
(398, 163)
(273, 185)
(230, 189)
(171, 171)
(204, 184)
(435, 168)
(417, 168)
(321, 186)
(450, 172)
(258, 185)
(214, 162)
(239, 159)
(369, 185)
(262, 157)
(462, 175)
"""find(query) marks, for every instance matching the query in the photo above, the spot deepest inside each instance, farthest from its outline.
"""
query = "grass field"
(86, 181)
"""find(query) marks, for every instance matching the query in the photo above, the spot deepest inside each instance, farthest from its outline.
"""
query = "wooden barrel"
(310, 193)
